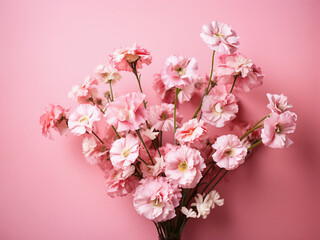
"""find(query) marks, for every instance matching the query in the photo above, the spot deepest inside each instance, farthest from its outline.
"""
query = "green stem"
(212, 180)
(234, 81)
(97, 137)
(250, 131)
(207, 88)
(255, 144)
(216, 183)
(144, 145)
(114, 129)
(111, 92)
(135, 72)
(175, 115)
(143, 160)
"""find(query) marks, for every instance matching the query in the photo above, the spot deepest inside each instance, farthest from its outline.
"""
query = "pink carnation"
(179, 72)
(156, 199)
(126, 112)
(54, 118)
(83, 118)
(230, 152)
(121, 182)
(278, 103)
(161, 117)
(184, 166)
(121, 57)
(124, 151)
(276, 128)
(81, 93)
(191, 131)
(94, 152)
(107, 73)
(220, 37)
(220, 107)
(248, 74)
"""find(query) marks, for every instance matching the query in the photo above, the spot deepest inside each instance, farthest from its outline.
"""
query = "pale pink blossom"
(156, 199)
(179, 72)
(276, 127)
(220, 107)
(161, 117)
(220, 37)
(107, 73)
(153, 170)
(95, 152)
(248, 74)
(121, 182)
(186, 93)
(184, 166)
(190, 213)
(82, 93)
(83, 119)
(191, 131)
(278, 103)
(150, 133)
(230, 152)
(124, 152)
(54, 118)
(126, 112)
(121, 57)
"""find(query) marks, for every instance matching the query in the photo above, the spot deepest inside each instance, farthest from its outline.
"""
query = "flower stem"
(250, 131)
(216, 183)
(144, 145)
(135, 72)
(114, 129)
(255, 144)
(208, 88)
(234, 81)
(142, 160)
(111, 92)
(211, 181)
(97, 137)
(175, 115)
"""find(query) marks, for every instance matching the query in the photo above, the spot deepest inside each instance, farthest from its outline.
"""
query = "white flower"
(203, 205)
(149, 132)
(189, 213)
(215, 196)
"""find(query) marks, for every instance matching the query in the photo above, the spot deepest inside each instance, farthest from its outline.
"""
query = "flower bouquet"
(173, 180)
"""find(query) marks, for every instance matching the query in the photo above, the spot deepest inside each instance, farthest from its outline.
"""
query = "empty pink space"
(48, 191)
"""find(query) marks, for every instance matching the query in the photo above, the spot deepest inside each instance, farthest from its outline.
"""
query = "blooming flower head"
(156, 199)
(230, 152)
(82, 93)
(126, 112)
(276, 127)
(124, 152)
(161, 117)
(278, 103)
(179, 72)
(94, 152)
(153, 170)
(248, 74)
(220, 107)
(121, 182)
(54, 118)
(220, 37)
(189, 212)
(122, 57)
(184, 166)
(191, 131)
(107, 73)
(83, 118)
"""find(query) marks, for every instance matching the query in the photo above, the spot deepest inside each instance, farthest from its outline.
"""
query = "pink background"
(48, 191)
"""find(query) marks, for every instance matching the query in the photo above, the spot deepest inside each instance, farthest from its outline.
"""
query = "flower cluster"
(171, 181)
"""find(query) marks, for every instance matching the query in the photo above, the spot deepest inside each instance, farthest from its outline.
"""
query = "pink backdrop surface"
(48, 191)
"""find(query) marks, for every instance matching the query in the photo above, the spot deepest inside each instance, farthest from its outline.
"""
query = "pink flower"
(153, 170)
(184, 166)
(121, 182)
(94, 152)
(220, 37)
(248, 74)
(278, 103)
(126, 112)
(81, 93)
(191, 131)
(220, 107)
(179, 72)
(230, 152)
(54, 118)
(107, 73)
(124, 152)
(83, 118)
(161, 117)
(121, 57)
(276, 128)
(156, 199)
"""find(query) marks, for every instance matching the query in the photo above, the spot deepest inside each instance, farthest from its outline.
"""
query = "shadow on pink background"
(48, 191)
